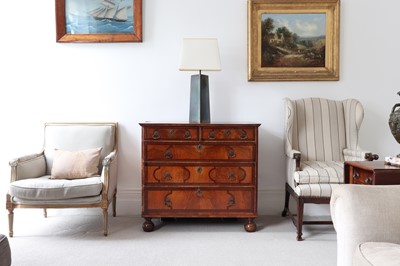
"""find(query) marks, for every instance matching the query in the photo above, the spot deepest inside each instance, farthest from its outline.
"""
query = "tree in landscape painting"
(293, 40)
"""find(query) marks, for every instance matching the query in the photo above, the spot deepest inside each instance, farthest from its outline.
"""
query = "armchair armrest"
(28, 166)
(364, 213)
(359, 155)
(109, 174)
(296, 155)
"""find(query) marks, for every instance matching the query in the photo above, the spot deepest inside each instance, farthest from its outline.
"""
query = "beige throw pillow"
(75, 164)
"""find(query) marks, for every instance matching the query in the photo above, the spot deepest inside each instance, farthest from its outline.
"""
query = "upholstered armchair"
(77, 168)
(320, 134)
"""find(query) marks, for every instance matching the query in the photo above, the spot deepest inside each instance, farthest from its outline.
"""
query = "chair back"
(79, 136)
(321, 128)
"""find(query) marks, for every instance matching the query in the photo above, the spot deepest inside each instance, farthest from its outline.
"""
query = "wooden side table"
(371, 173)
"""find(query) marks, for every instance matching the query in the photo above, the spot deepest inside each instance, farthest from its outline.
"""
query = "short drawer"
(363, 177)
(199, 174)
(199, 199)
(199, 152)
(171, 133)
(229, 134)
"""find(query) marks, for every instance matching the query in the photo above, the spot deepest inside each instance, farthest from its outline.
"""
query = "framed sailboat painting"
(98, 20)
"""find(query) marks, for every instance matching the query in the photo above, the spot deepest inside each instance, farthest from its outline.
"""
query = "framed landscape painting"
(293, 40)
(98, 20)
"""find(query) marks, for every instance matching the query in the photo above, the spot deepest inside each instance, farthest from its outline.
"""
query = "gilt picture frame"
(98, 20)
(293, 40)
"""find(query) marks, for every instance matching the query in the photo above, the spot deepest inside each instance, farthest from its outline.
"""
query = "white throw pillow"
(75, 164)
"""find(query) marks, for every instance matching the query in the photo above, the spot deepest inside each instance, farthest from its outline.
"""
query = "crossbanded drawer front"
(199, 152)
(229, 134)
(199, 174)
(171, 133)
(200, 199)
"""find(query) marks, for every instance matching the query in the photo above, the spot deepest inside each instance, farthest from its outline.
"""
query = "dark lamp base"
(199, 100)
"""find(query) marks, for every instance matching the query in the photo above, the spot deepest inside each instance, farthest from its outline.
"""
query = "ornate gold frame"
(62, 36)
(329, 72)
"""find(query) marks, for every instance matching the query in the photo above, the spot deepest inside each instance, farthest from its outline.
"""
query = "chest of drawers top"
(199, 132)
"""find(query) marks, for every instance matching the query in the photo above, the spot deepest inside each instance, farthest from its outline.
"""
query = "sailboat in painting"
(110, 10)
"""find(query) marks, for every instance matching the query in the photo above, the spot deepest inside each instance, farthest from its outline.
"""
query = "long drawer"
(202, 151)
(199, 174)
(199, 199)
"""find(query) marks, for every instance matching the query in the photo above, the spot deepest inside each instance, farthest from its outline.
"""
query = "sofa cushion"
(75, 164)
(377, 254)
(45, 188)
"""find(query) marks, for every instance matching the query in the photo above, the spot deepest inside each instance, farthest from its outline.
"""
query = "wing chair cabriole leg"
(105, 221)
(286, 208)
(299, 222)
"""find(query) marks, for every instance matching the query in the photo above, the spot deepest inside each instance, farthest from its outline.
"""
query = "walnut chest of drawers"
(199, 170)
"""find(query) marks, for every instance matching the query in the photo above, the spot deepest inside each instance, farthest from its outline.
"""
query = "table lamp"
(199, 54)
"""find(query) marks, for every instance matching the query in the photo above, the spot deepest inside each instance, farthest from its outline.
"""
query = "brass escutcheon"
(156, 134)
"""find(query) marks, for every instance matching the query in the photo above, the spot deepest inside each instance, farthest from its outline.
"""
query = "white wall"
(42, 80)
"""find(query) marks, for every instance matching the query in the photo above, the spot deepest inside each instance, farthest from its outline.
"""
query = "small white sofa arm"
(366, 218)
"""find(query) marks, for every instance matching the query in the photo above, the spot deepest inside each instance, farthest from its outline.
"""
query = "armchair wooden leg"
(114, 203)
(105, 222)
(10, 222)
(286, 208)
(299, 221)
(45, 212)
(10, 208)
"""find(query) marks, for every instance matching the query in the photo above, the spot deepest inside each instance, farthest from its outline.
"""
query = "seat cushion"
(377, 254)
(318, 172)
(47, 189)
(5, 251)
(316, 178)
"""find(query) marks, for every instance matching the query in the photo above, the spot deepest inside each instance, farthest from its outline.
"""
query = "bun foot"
(250, 226)
(148, 225)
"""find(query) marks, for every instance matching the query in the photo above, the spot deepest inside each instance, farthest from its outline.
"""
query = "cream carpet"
(74, 237)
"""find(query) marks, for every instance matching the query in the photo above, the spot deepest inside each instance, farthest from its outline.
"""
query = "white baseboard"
(270, 202)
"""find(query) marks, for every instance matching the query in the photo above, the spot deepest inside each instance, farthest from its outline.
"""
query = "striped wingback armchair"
(320, 134)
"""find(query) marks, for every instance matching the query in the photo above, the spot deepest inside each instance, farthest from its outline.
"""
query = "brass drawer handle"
(356, 175)
(227, 133)
(167, 176)
(199, 192)
(167, 200)
(156, 134)
(231, 176)
(368, 180)
(231, 202)
(243, 134)
(187, 134)
(232, 154)
(168, 154)
(211, 135)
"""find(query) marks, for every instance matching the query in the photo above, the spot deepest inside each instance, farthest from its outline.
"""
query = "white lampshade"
(200, 54)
